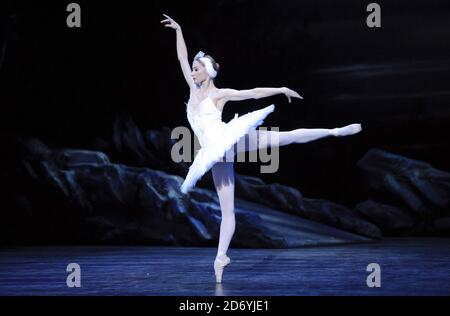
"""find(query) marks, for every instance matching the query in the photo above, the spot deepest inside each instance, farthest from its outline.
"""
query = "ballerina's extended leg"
(223, 176)
(260, 139)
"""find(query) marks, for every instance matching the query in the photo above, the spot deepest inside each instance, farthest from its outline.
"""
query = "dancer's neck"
(206, 86)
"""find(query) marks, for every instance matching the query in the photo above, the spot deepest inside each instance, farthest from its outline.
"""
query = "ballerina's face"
(199, 73)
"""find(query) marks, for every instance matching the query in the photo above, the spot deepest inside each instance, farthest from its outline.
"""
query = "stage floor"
(409, 266)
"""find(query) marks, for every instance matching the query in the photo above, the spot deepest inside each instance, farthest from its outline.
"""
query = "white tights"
(223, 172)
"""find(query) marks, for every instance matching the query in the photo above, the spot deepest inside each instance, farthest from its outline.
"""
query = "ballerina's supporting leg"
(223, 176)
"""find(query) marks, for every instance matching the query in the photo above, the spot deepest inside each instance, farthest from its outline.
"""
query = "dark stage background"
(66, 86)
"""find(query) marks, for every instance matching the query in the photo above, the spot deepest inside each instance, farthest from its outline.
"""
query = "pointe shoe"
(346, 130)
(219, 264)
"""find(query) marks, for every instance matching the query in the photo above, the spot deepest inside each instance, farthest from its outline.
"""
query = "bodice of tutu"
(206, 121)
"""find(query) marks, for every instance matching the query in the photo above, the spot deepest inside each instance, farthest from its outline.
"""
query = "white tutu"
(217, 137)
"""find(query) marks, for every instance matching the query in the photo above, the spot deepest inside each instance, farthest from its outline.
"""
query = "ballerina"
(218, 139)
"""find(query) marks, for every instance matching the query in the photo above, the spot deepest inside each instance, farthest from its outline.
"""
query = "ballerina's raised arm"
(181, 50)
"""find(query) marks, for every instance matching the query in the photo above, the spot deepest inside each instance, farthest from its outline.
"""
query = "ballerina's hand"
(170, 22)
(290, 93)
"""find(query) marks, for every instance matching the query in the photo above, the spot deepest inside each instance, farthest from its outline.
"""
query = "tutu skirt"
(217, 138)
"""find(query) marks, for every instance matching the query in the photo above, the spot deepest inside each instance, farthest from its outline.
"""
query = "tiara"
(200, 54)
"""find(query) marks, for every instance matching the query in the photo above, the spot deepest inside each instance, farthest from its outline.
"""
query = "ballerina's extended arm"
(256, 93)
(181, 50)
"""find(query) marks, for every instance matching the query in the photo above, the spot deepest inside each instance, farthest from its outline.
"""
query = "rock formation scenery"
(72, 195)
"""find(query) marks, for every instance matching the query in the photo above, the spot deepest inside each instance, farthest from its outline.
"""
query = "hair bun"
(217, 66)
